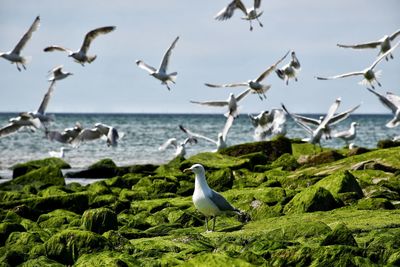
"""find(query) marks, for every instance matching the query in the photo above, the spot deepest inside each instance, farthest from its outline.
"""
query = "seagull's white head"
(196, 169)
(354, 124)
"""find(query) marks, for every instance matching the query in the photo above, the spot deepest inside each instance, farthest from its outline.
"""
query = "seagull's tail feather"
(90, 59)
(280, 73)
(26, 60)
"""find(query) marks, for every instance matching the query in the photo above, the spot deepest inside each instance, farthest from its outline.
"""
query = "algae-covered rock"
(105, 168)
(68, 245)
(341, 182)
(24, 168)
(215, 161)
(107, 258)
(374, 204)
(41, 261)
(246, 178)
(387, 143)
(341, 235)
(312, 199)
(220, 180)
(22, 242)
(287, 162)
(6, 228)
(215, 259)
(58, 218)
(322, 158)
(99, 220)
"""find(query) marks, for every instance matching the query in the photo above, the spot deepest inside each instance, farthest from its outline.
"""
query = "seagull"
(81, 56)
(66, 136)
(222, 136)
(161, 73)
(384, 44)
(290, 70)
(392, 102)
(100, 130)
(40, 113)
(369, 74)
(255, 85)
(269, 123)
(58, 154)
(180, 148)
(206, 200)
(349, 134)
(23, 120)
(14, 55)
(250, 13)
(315, 135)
(231, 103)
(58, 74)
(336, 118)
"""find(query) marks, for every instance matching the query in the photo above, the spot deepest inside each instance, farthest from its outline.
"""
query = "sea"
(144, 133)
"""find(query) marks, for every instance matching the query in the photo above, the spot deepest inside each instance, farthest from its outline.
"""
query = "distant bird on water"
(14, 56)
(207, 201)
(255, 85)
(249, 13)
(384, 43)
(161, 73)
(392, 102)
(290, 70)
(81, 56)
(58, 154)
(370, 76)
(348, 135)
(58, 74)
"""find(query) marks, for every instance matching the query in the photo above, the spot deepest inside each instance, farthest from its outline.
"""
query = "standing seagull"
(14, 55)
(250, 13)
(231, 103)
(161, 73)
(58, 74)
(81, 56)
(58, 154)
(349, 134)
(392, 102)
(255, 85)
(290, 70)
(206, 200)
(369, 74)
(384, 44)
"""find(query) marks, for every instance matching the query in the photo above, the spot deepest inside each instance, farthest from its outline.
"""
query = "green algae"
(24, 168)
(99, 220)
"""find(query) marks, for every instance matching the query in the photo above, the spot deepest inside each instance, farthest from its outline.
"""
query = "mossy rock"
(99, 220)
(107, 258)
(215, 161)
(59, 219)
(39, 178)
(55, 190)
(215, 259)
(156, 187)
(220, 180)
(172, 168)
(6, 228)
(374, 204)
(68, 245)
(99, 188)
(105, 168)
(41, 261)
(383, 245)
(314, 198)
(341, 235)
(256, 159)
(22, 242)
(24, 168)
(98, 201)
(376, 191)
(287, 162)
(139, 168)
(26, 212)
(245, 178)
(322, 158)
(341, 182)
(13, 195)
(387, 143)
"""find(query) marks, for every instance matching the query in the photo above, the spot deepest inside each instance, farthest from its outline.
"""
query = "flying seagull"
(392, 102)
(161, 73)
(14, 55)
(370, 76)
(232, 103)
(349, 134)
(58, 74)
(23, 120)
(268, 123)
(65, 136)
(290, 70)
(81, 56)
(180, 148)
(98, 131)
(249, 13)
(206, 200)
(255, 85)
(40, 113)
(383, 43)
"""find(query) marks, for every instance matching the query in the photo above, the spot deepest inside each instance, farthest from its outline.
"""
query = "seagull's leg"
(251, 26)
(391, 56)
(287, 81)
(169, 89)
(18, 68)
(380, 85)
(214, 219)
(23, 66)
(259, 22)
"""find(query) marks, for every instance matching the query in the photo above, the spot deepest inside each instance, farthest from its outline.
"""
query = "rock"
(342, 182)
(287, 162)
(6, 228)
(105, 168)
(357, 151)
(215, 161)
(374, 204)
(220, 180)
(99, 220)
(24, 168)
(41, 261)
(341, 235)
(59, 219)
(245, 178)
(322, 158)
(107, 258)
(216, 259)
(387, 143)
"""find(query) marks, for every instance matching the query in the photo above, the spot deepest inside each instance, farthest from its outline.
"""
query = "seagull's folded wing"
(220, 202)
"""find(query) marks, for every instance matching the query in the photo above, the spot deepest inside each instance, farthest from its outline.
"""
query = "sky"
(208, 51)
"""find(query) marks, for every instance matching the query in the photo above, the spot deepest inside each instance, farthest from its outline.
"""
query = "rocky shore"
(305, 207)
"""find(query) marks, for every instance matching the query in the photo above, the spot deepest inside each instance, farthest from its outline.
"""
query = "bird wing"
(192, 134)
(35, 25)
(257, 3)
(394, 35)
(9, 128)
(342, 116)
(165, 60)
(219, 201)
(169, 142)
(57, 48)
(46, 99)
(355, 73)
(254, 120)
(226, 85)
(300, 123)
(86, 135)
(270, 68)
(361, 46)
(384, 55)
(395, 99)
(146, 67)
(211, 103)
(295, 63)
(227, 12)
(227, 126)
(90, 36)
(386, 102)
(242, 94)
(56, 70)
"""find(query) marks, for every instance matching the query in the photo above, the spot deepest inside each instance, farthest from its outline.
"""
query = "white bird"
(336, 118)
(316, 134)
(269, 123)
(23, 120)
(370, 76)
(66, 136)
(384, 43)
(290, 70)
(58, 154)
(392, 102)
(58, 74)
(349, 134)
(250, 13)
(81, 56)
(207, 201)
(180, 148)
(161, 73)
(221, 141)
(255, 85)
(14, 56)
(40, 113)
(232, 103)
(100, 130)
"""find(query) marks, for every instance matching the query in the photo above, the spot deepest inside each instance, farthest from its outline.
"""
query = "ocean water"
(144, 133)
